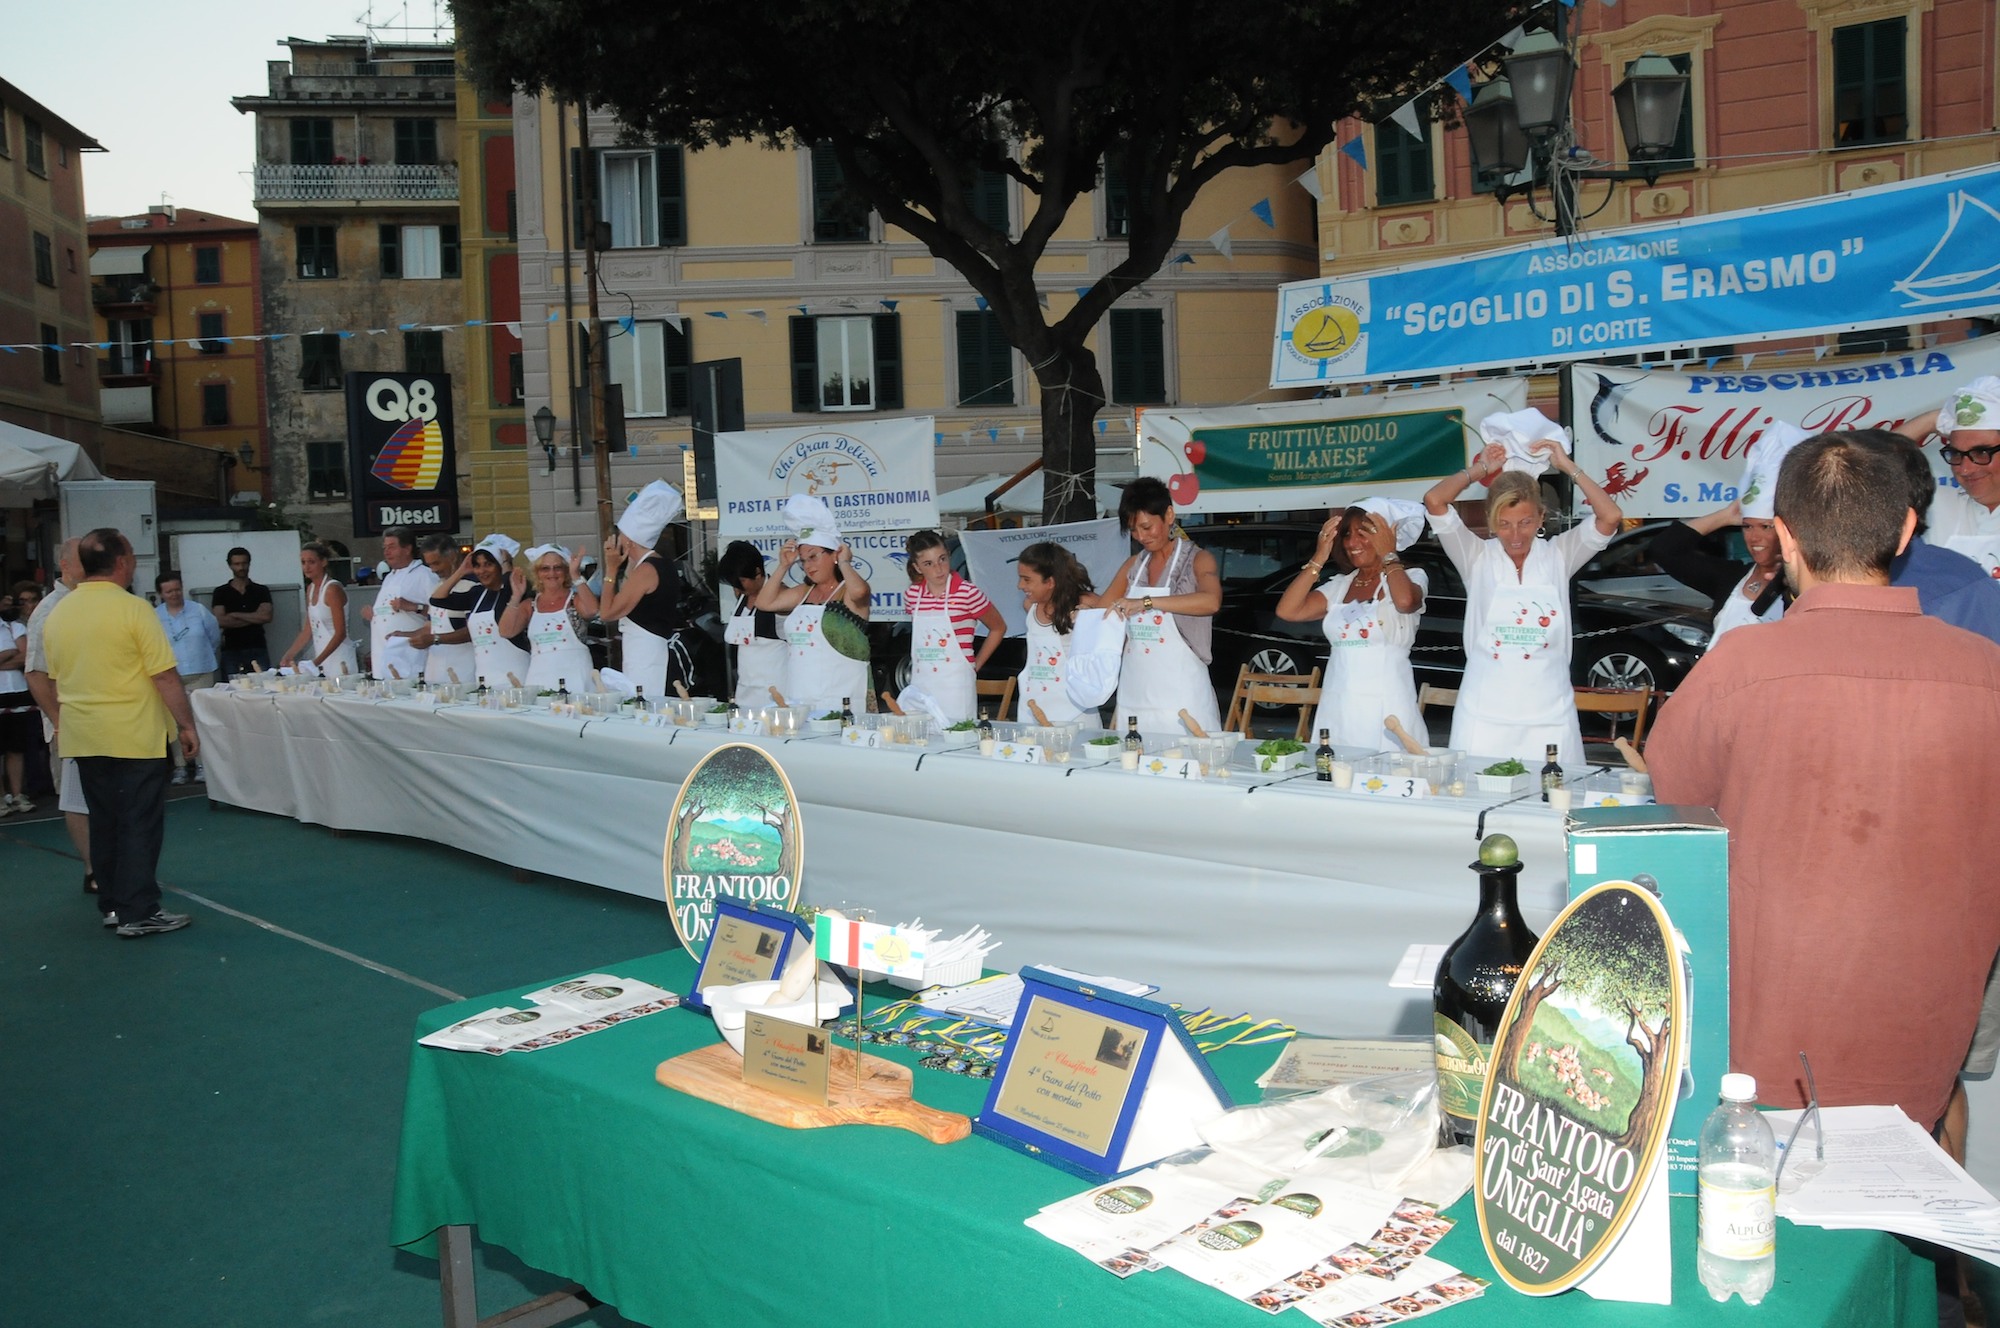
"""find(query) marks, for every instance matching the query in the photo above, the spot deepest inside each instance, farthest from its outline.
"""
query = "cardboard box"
(1685, 850)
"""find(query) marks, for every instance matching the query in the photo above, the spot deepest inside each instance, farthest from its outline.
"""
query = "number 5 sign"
(402, 453)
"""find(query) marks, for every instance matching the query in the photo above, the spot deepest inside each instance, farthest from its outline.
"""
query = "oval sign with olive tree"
(734, 833)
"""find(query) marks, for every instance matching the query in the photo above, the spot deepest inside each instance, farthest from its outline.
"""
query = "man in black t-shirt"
(242, 607)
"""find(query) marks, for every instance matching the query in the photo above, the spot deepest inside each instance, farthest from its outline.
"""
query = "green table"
(678, 1211)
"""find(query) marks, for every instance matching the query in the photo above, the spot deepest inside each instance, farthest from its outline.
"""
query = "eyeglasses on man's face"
(1978, 456)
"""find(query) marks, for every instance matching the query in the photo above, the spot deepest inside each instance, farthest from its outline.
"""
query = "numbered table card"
(1022, 753)
(1392, 786)
(859, 737)
(1161, 767)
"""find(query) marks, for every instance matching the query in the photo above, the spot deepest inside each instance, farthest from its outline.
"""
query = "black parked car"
(1623, 640)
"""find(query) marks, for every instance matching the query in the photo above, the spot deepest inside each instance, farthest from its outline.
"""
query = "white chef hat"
(811, 521)
(501, 547)
(1405, 517)
(535, 554)
(648, 514)
(1516, 430)
(1760, 470)
(1096, 649)
(1974, 406)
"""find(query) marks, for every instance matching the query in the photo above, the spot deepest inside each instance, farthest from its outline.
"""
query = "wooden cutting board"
(882, 1097)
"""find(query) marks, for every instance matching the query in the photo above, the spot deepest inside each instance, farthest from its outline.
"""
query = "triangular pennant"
(890, 305)
(1082, 291)
(759, 315)
(1819, 352)
(555, 315)
(1310, 183)
(1221, 242)
(1261, 209)
(992, 435)
(980, 300)
(628, 325)
(1460, 80)
(1513, 37)
(475, 322)
(1355, 152)
(1748, 360)
(514, 328)
(1406, 120)
(717, 313)
(1182, 258)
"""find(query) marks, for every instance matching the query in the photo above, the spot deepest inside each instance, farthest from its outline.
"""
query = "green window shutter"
(680, 355)
(1117, 197)
(1403, 164)
(448, 251)
(838, 217)
(671, 178)
(1138, 357)
(391, 244)
(888, 362)
(805, 363)
(985, 196)
(985, 360)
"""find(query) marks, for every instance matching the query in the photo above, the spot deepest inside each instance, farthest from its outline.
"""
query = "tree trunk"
(1508, 1054)
(1652, 1057)
(1072, 390)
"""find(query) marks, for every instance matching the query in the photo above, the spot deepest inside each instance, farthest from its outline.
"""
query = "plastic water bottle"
(1739, 1196)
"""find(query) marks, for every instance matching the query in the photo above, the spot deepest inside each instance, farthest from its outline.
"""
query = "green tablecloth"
(677, 1211)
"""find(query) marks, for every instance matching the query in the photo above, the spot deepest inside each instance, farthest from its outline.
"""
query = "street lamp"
(545, 434)
(1522, 120)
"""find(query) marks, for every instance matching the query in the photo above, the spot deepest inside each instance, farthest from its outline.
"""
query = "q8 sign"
(401, 452)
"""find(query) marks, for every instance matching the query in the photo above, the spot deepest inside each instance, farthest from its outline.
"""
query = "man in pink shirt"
(1837, 744)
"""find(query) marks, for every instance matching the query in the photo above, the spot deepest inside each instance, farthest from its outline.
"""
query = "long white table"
(1278, 896)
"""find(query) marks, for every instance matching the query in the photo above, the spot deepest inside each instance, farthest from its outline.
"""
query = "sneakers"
(180, 775)
(110, 919)
(11, 803)
(200, 775)
(159, 922)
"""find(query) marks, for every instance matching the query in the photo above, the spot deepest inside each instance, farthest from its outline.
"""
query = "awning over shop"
(127, 260)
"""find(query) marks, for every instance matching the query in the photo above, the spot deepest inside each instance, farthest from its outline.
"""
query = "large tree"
(917, 97)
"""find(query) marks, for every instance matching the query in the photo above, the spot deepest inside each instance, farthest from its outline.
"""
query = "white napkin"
(1516, 430)
(1760, 469)
(1096, 650)
(614, 681)
(915, 697)
(1406, 517)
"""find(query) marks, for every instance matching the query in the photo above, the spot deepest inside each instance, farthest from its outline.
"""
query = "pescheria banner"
(1671, 444)
(1918, 251)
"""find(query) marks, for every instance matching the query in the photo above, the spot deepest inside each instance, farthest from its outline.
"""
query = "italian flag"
(867, 946)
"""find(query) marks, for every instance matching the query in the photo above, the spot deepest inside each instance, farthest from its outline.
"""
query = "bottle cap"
(1739, 1088)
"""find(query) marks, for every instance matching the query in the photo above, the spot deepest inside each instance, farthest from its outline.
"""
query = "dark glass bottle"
(1469, 994)
(1133, 742)
(732, 712)
(1552, 772)
(985, 727)
(846, 712)
(562, 691)
(639, 705)
(1323, 758)
(480, 694)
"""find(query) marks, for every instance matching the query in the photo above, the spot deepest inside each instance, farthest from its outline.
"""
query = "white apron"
(556, 656)
(644, 658)
(493, 655)
(939, 668)
(1042, 675)
(760, 662)
(1162, 677)
(384, 652)
(1736, 611)
(817, 675)
(1367, 669)
(319, 615)
(1517, 697)
(1982, 549)
(442, 661)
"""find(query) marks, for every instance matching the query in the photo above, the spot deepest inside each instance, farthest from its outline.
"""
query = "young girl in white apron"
(1052, 583)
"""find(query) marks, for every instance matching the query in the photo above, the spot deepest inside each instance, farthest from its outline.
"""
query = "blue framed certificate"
(745, 944)
(1097, 1082)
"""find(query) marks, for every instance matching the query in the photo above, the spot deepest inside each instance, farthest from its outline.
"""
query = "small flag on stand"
(868, 946)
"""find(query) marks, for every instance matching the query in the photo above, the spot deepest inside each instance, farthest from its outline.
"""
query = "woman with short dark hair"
(758, 634)
(1168, 595)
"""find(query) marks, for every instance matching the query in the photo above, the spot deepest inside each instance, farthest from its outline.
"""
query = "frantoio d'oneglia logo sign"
(735, 833)
(1580, 1093)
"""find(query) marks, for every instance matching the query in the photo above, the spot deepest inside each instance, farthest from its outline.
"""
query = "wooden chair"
(1616, 701)
(1303, 695)
(1003, 689)
(1428, 696)
(1289, 688)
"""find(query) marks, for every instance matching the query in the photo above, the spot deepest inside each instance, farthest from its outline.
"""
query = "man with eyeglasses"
(1861, 916)
(1967, 519)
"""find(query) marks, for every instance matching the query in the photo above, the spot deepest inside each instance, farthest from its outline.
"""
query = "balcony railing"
(120, 290)
(343, 184)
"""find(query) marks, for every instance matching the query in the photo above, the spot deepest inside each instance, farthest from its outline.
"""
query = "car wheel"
(899, 674)
(1276, 659)
(1618, 663)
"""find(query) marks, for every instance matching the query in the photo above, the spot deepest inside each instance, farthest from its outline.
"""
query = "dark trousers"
(128, 822)
(242, 661)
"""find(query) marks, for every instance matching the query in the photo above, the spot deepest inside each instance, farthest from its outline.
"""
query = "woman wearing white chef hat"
(485, 571)
(1517, 697)
(1741, 597)
(1966, 519)
(647, 604)
(1370, 614)
(817, 674)
(552, 615)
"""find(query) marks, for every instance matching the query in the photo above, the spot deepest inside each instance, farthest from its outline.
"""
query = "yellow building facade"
(493, 430)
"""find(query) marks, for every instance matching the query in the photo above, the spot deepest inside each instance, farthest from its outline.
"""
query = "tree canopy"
(917, 99)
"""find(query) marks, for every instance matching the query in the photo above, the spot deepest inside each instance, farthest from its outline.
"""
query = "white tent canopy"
(970, 500)
(32, 464)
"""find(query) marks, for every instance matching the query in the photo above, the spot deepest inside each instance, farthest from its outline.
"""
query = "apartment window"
(986, 198)
(319, 361)
(433, 68)
(208, 265)
(326, 470)
(651, 363)
(6, 133)
(51, 354)
(214, 404)
(130, 348)
(641, 195)
(416, 143)
(69, 258)
(1138, 357)
(318, 256)
(31, 135)
(211, 329)
(423, 351)
(985, 360)
(312, 142)
(839, 217)
(419, 253)
(45, 260)
(513, 217)
(1117, 197)
(517, 379)
(847, 363)
(1870, 83)
(1403, 163)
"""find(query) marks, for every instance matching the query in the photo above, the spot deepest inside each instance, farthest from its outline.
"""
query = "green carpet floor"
(200, 1128)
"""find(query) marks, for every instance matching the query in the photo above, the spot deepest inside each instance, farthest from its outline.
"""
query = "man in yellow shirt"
(118, 699)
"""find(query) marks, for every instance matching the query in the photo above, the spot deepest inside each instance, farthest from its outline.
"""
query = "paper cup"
(1560, 799)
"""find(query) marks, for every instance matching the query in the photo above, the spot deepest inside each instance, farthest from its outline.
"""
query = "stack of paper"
(560, 1012)
(1884, 1173)
(992, 1000)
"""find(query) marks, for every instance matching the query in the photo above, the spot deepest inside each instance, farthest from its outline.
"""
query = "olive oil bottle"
(1474, 980)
